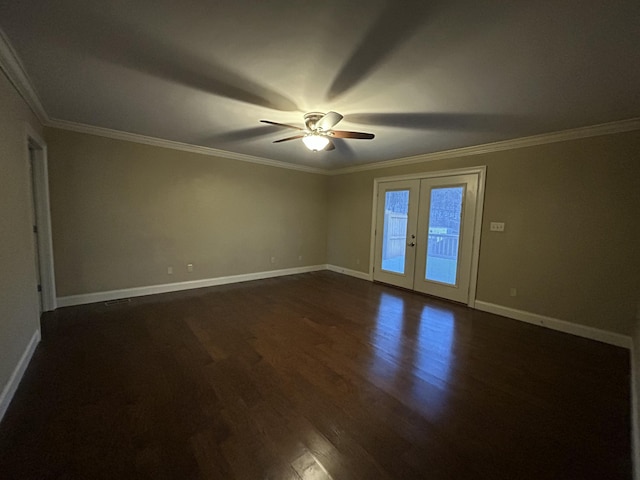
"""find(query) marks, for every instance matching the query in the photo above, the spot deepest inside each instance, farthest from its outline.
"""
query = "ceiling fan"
(318, 134)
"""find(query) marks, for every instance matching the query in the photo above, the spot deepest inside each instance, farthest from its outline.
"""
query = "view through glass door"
(424, 234)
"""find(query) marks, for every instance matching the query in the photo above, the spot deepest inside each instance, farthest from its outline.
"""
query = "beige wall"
(19, 315)
(123, 212)
(571, 246)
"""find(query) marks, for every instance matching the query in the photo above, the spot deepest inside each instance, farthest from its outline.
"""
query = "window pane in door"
(394, 234)
(444, 234)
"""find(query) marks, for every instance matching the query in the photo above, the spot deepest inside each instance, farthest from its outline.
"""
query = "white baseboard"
(10, 388)
(179, 286)
(584, 331)
(635, 403)
(347, 271)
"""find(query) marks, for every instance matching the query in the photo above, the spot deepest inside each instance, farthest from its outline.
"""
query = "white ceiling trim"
(542, 139)
(17, 75)
(184, 147)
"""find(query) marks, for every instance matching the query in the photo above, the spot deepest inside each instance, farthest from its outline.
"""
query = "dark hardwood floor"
(314, 376)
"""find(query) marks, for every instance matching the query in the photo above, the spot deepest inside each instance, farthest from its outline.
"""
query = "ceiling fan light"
(315, 142)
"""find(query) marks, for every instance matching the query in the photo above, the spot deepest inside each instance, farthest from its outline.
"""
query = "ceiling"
(423, 76)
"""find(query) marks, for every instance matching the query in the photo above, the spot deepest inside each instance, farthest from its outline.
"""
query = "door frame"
(481, 171)
(40, 183)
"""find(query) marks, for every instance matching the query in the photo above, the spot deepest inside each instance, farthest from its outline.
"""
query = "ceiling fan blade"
(281, 124)
(295, 137)
(330, 146)
(345, 134)
(329, 121)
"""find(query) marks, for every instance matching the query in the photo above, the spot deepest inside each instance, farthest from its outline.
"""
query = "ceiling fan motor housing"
(311, 119)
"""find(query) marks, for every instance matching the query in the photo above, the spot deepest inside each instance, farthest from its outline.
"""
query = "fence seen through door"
(394, 244)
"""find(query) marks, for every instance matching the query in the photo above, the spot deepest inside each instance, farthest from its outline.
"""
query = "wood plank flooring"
(313, 376)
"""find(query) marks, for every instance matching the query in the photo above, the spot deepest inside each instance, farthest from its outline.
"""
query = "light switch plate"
(497, 227)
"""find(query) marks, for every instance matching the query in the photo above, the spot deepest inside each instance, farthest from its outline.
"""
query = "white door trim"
(481, 171)
(43, 215)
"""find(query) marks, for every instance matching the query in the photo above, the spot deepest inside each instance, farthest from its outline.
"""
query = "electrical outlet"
(513, 292)
(170, 270)
(299, 257)
(273, 259)
(357, 261)
(496, 227)
(190, 267)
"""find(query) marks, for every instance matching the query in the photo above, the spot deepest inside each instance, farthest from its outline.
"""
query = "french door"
(424, 234)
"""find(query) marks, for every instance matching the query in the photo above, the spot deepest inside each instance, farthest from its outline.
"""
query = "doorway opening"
(36, 151)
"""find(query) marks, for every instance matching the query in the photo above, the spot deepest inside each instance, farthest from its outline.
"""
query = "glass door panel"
(443, 241)
(394, 234)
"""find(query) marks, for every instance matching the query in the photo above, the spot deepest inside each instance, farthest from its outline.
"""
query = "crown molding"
(184, 147)
(11, 65)
(542, 139)
(620, 126)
